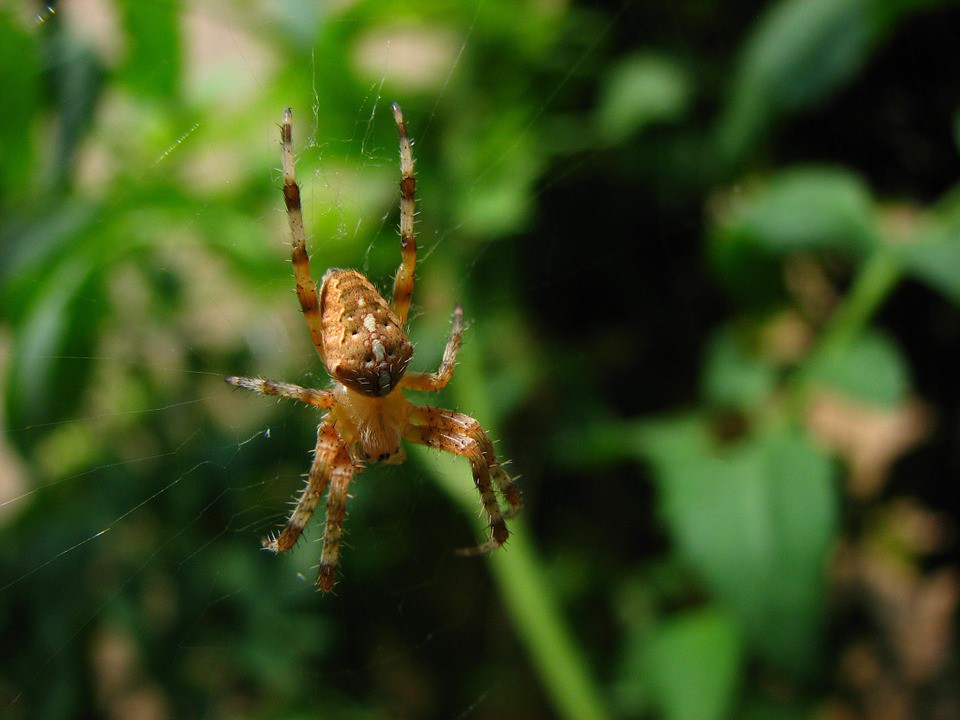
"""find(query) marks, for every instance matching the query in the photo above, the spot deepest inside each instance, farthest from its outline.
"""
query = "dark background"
(709, 256)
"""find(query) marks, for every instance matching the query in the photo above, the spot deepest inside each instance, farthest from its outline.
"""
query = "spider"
(363, 346)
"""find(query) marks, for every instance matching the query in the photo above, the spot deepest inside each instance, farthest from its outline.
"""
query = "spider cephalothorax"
(364, 344)
(365, 349)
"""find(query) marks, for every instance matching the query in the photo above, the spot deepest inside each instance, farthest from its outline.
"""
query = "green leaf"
(692, 663)
(153, 62)
(685, 666)
(756, 521)
(803, 209)
(45, 378)
(870, 368)
(798, 52)
(810, 208)
(31, 244)
(935, 264)
(934, 258)
(20, 89)
(733, 378)
(76, 77)
(643, 89)
(491, 200)
(752, 275)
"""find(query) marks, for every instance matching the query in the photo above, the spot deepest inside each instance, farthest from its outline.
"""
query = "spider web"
(218, 467)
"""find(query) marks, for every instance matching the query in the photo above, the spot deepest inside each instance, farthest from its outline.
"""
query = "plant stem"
(529, 598)
(525, 588)
(878, 276)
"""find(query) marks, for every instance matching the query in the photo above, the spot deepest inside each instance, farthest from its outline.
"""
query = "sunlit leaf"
(641, 90)
(61, 326)
(20, 90)
(494, 187)
(76, 77)
(803, 209)
(934, 256)
(810, 208)
(870, 368)
(153, 62)
(755, 520)
(732, 377)
(692, 662)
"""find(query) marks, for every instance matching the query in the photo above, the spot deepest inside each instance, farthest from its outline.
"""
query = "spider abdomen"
(364, 345)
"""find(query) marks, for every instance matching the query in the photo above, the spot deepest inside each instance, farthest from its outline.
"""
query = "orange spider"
(363, 346)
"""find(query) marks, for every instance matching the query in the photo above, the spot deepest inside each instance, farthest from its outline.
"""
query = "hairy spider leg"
(310, 396)
(403, 283)
(333, 530)
(329, 457)
(439, 379)
(306, 287)
(336, 457)
(467, 430)
(332, 467)
(460, 434)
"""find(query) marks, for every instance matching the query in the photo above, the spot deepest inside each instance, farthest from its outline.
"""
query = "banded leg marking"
(460, 434)
(306, 287)
(310, 396)
(328, 455)
(403, 283)
(439, 379)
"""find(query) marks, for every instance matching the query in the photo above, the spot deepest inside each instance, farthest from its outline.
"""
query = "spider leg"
(439, 379)
(327, 460)
(310, 396)
(403, 283)
(460, 434)
(306, 287)
(333, 529)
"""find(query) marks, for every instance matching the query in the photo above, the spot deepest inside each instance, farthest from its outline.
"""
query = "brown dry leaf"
(810, 287)
(915, 612)
(869, 439)
(919, 530)
(786, 338)
(924, 638)
(119, 683)
(835, 709)
(879, 696)
(901, 669)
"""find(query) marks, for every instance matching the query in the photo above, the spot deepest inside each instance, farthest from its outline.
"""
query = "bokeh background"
(709, 254)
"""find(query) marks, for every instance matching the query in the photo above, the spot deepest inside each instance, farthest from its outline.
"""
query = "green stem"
(525, 587)
(529, 598)
(878, 276)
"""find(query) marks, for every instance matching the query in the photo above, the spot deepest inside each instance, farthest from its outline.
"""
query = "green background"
(709, 255)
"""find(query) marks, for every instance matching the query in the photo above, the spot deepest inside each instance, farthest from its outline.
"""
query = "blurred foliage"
(710, 259)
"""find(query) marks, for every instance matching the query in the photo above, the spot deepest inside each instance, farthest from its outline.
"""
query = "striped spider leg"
(364, 347)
